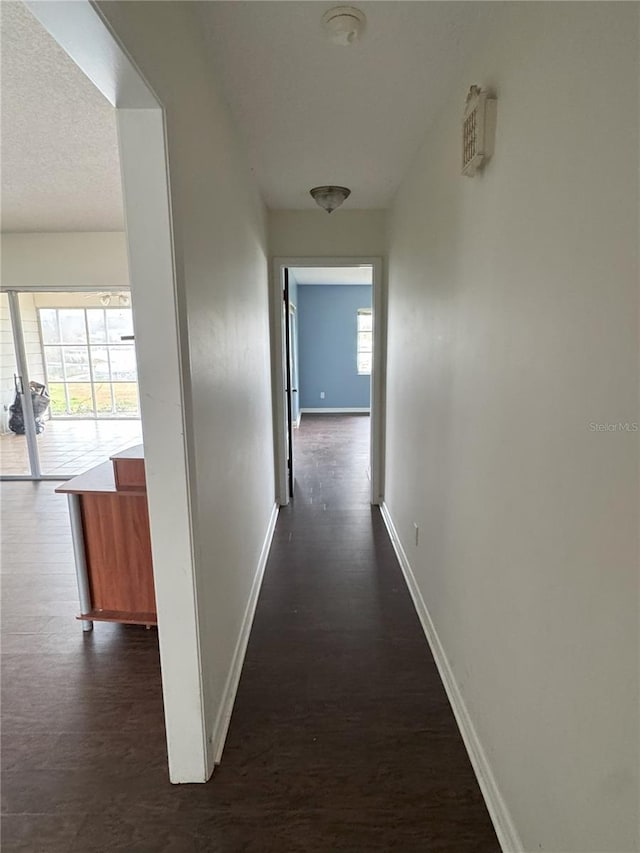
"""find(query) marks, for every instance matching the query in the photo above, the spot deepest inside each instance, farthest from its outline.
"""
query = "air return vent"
(478, 130)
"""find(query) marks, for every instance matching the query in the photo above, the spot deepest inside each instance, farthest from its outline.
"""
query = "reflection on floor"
(69, 447)
(341, 738)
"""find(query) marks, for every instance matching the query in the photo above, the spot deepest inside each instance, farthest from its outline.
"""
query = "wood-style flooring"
(341, 738)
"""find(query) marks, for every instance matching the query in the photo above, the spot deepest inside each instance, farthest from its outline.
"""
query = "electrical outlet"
(322, 395)
(417, 532)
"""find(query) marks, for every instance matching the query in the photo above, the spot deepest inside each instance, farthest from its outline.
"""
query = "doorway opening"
(328, 326)
(83, 34)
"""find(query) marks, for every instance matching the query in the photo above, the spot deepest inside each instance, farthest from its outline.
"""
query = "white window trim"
(359, 349)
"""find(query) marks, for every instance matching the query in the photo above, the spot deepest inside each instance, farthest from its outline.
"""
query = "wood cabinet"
(112, 544)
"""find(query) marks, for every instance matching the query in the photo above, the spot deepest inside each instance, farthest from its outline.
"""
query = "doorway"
(80, 30)
(291, 276)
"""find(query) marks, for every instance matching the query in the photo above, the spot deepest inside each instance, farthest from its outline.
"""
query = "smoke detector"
(343, 24)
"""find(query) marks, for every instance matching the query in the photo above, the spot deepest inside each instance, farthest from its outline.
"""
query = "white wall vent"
(478, 130)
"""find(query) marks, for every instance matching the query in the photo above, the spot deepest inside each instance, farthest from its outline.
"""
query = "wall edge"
(223, 719)
(504, 826)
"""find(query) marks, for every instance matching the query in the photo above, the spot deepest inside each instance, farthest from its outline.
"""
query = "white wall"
(513, 306)
(65, 259)
(315, 233)
(221, 267)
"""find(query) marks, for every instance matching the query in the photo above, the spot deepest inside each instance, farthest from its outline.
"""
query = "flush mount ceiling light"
(343, 24)
(329, 197)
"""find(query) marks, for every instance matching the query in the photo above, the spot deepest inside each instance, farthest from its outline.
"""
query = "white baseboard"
(349, 410)
(221, 726)
(503, 824)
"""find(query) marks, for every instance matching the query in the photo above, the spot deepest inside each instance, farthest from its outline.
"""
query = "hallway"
(354, 747)
(341, 738)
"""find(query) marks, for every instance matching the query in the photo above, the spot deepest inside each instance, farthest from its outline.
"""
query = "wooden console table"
(111, 541)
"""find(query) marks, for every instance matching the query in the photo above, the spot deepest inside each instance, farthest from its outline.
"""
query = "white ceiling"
(60, 167)
(312, 112)
(332, 275)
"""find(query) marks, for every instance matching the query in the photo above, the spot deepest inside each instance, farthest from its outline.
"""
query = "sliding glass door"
(90, 362)
(79, 355)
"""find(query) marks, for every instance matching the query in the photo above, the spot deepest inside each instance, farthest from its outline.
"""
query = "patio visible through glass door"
(80, 348)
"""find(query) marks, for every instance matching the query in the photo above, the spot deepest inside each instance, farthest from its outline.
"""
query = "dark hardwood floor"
(341, 738)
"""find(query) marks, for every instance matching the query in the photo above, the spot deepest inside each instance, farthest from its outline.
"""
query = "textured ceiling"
(332, 275)
(312, 112)
(60, 168)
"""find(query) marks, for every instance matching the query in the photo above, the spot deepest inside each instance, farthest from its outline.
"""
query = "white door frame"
(295, 374)
(162, 365)
(377, 371)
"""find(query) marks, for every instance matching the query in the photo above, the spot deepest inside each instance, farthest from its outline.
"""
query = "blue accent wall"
(327, 346)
